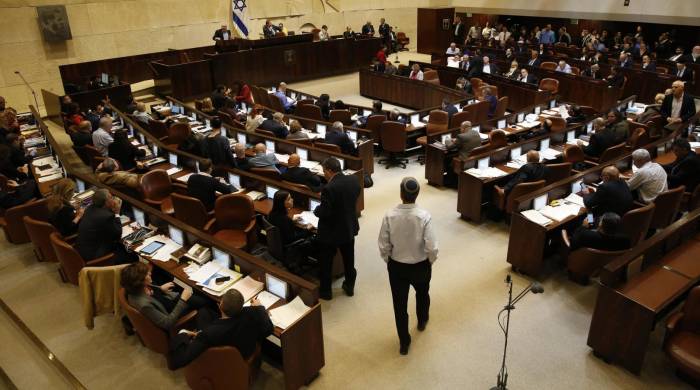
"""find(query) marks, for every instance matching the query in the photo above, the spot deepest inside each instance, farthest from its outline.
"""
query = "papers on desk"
(528, 125)
(267, 299)
(575, 142)
(173, 171)
(310, 134)
(54, 176)
(348, 172)
(694, 145)
(309, 164)
(575, 199)
(26, 127)
(248, 287)
(154, 161)
(483, 136)
(32, 142)
(43, 161)
(255, 195)
(515, 164)
(549, 154)
(284, 316)
(560, 212)
(536, 217)
(283, 158)
(308, 218)
(218, 289)
(162, 254)
(184, 178)
(486, 173)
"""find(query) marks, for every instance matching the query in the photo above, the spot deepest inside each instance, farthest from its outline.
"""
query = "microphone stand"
(36, 102)
(502, 378)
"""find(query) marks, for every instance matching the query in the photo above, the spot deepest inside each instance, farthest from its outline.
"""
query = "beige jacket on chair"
(98, 289)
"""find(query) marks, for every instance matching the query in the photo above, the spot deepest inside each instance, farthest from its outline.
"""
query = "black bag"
(368, 181)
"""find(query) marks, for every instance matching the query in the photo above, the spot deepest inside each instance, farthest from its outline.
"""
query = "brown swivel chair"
(93, 155)
(310, 111)
(481, 112)
(556, 172)
(662, 70)
(70, 260)
(575, 70)
(507, 203)
(682, 339)
(574, 154)
(80, 151)
(638, 138)
(583, 263)
(551, 85)
(13, 224)
(402, 41)
(274, 103)
(548, 65)
(222, 368)
(178, 133)
(667, 204)
(234, 221)
(374, 123)
(558, 124)
(39, 232)
(157, 129)
(476, 83)
(326, 146)
(270, 173)
(343, 116)
(190, 210)
(438, 121)
(430, 75)
(609, 154)
(458, 118)
(156, 188)
(501, 107)
(497, 139)
(393, 135)
(635, 223)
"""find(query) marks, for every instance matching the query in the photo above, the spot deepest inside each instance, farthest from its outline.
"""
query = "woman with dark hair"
(325, 103)
(62, 215)
(74, 116)
(123, 151)
(279, 216)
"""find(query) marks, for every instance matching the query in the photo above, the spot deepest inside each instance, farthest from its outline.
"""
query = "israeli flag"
(239, 18)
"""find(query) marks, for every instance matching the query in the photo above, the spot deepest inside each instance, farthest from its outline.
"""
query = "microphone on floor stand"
(396, 59)
(36, 102)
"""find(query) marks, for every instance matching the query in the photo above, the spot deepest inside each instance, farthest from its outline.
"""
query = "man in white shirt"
(649, 180)
(102, 137)
(408, 245)
(563, 67)
(452, 50)
(488, 67)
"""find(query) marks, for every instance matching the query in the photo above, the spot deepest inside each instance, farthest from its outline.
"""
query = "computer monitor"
(483, 163)
(241, 138)
(142, 139)
(342, 163)
(476, 128)
(516, 152)
(415, 119)
(154, 149)
(589, 127)
(352, 134)
(276, 286)
(576, 186)
(540, 202)
(321, 129)
(552, 103)
(537, 110)
(104, 78)
(139, 216)
(174, 110)
(445, 138)
(303, 153)
(544, 144)
(521, 117)
(270, 146)
(172, 158)
(207, 123)
(223, 129)
(570, 135)
(176, 235)
(244, 107)
(193, 115)
(630, 104)
(313, 203)
(196, 166)
(272, 89)
(80, 185)
(234, 180)
(270, 191)
(220, 257)
(501, 124)
(293, 95)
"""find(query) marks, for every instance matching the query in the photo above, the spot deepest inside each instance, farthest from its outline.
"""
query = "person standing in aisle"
(408, 245)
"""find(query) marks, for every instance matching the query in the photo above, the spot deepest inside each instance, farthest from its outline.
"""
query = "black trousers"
(401, 277)
(326, 255)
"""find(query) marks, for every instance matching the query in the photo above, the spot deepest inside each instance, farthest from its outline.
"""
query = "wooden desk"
(118, 96)
(185, 81)
(405, 92)
(237, 44)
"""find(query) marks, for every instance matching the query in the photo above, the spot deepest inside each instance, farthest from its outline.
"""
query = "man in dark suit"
(694, 57)
(616, 79)
(336, 136)
(239, 327)
(448, 107)
(648, 64)
(532, 171)
(605, 238)
(269, 29)
(220, 96)
(611, 196)
(368, 29)
(625, 60)
(526, 77)
(488, 67)
(685, 169)
(534, 59)
(241, 161)
(459, 30)
(593, 72)
(602, 139)
(275, 125)
(677, 107)
(204, 187)
(337, 226)
(683, 72)
(300, 175)
(100, 229)
(222, 34)
(216, 146)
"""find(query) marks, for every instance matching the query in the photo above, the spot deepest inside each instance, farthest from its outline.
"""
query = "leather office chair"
(326, 146)
(556, 172)
(39, 232)
(310, 111)
(575, 70)
(551, 85)
(662, 69)
(340, 115)
(507, 203)
(226, 118)
(609, 154)
(438, 121)
(476, 83)
(234, 221)
(430, 75)
(70, 260)
(638, 138)
(667, 204)
(558, 124)
(402, 41)
(497, 139)
(222, 368)
(548, 65)
(574, 154)
(151, 336)
(458, 118)
(13, 224)
(481, 112)
(583, 263)
(635, 223)
(178, 133)
(80, 151)
(93, 155)
(274, 103)
(480, 92)
(501, 107)
(374, 123)
(198, 104)
(157, 129)
(394, 138)
(270, 173)
(156, 188)
(190, 210)
(682, 339)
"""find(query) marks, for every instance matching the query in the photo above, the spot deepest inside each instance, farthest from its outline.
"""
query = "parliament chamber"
(236, 195)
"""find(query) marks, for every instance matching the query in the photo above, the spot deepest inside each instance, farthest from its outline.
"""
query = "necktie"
(680, 73)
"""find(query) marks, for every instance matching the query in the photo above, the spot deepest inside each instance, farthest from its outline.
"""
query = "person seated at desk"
(619, 125)
(240, 157)
(488, 67)
(281, 94)
(678, 106)
(510, 57)
(605, 238)
(377, 109)
(140, 115)
(563, 67)
(240, 327)
(533, 170)
(216, 147)
(625, 60)
(282, 203)
(616, 79)
(243, 93)
(108, 174)
(526, 77)
(465, 63)
(96, 113)
(324, 102)
(295, 131)
(300, 175)
(62, 215)
(678, 54)
(685, 169)
(324, 35)
(448, 107)
(336, 135)
(612, 195)
(493, 101)
(512, 73)
(17, 154)
(416, 73)
(100, 229)
(601, 139)
(651, 110)
(222, 34)
(8, 168)
(262, 159)
(8, 124)
(282, 29)
(395, 115)
(269, 29)
(694, 57)
(276, 125)
(368, 29)
(682, 71)
(534, 59)
(348, 33)
(15, 194)
(390, 68)
(208, 107)
(254, 118)
(131, 104)
(453, 50)
(650, 179)
(648, 64)
(102, 137)
(220, 96)
(74, 116)
(464, 142)
(576, 115)
(463, 85)
(204, 187)
(381, 59)
(593, 72)
(124, 152)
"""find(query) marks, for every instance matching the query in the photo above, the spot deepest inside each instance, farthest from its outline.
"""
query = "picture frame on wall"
(53, 22)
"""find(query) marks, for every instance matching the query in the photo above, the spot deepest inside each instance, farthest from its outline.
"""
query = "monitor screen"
(293, 95)
(270, 191)
(570, 135)
(196, 166)
(515, 153)
(139, 216)
(521, 117)
(80, 185)
(540, 202)
(415, 119)
(630, 104)
(576, 186)
(207, 123)
(273, 89)
(484, 163)
(476, 128)
(154, 148)
(537, 110)
(276, 286)
(303, 154)
(220, 257)
(193, 115)
(176, 235)
(270, 146)
(313, 203)
(445, 138)
(244, 107)
(104, 77)
(352, 135)
(321, 129)
(589, 127)
(342, 163)
(241, 138)
(234, 180)
(501, 124)
(544, 144)
(172, 158)
(552, 103)
(174, 110)
(142, 139)
(223, 129)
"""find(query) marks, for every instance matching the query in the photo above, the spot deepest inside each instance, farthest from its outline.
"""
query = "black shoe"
(349, 291)
(128, 327)
(404, 348)
(325, 295)
(422, 325)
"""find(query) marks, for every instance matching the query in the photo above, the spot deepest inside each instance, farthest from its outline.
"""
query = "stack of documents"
(536, 217)
(549, 154)
(267, 299)
(308, 218)
(575, 199)
(576, 141)
(486, 173)
(173, 171)
(184, 178)
(286, 315)
(248, 287)
(483, 136)
(515, 164)
(561, 212)
(528, 125)
(255, 195)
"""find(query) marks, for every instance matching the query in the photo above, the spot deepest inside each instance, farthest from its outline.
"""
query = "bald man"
(301, 175)
(678, 106)
(533, 170)
(263, 159)
(612, 196)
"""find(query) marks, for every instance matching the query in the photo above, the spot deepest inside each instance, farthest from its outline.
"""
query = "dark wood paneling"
(431, 35)
(237, 44)
(405, 92)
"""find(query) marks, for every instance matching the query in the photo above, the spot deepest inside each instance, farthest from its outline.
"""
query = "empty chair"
(548, 65)
(190, 210)
(310, 111)
(234, 221)
(374, 123)
(574, 154)
(430, 75)
(70, 260)
(507, 202)
(156, 188)
(558, 124)
(556, 172)
(93, 155)
(13, 224)
(583, 263)
(222, 368)
(476, 83)
(551, 85)
(438, 121)
(39, 232)
(481, 112)
(393, 135)
(638, 138)
(458, 118)
(157, 129)
(343, 116)
(612, 153)
(635, 223)
(178, 133)
(501, 107)
(667, 204)
(683, 338)
(497, 139)
(402, 41)
(575, 70)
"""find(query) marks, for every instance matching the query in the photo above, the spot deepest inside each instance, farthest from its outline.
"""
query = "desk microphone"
(36, 102)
